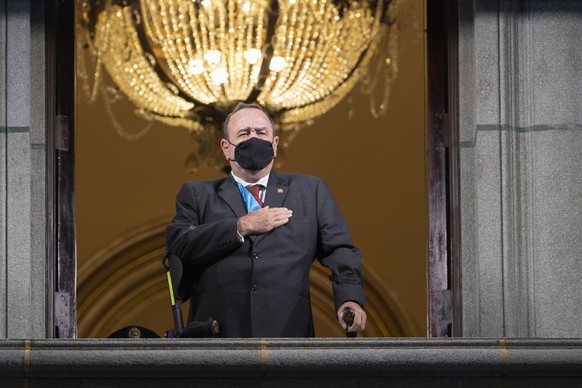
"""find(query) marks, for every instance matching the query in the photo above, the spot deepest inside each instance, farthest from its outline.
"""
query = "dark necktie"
(255, 190)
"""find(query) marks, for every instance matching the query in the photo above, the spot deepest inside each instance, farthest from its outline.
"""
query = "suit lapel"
(229, 192)
(277, 190)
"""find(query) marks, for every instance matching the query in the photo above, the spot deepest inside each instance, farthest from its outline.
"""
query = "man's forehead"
(249, 118)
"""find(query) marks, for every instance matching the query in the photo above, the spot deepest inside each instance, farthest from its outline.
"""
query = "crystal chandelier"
(187, 63)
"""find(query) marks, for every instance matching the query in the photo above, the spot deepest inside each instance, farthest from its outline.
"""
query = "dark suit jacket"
(260, 288)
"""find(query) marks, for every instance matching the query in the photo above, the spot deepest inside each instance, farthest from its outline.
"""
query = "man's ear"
(275, 144)
(224, 144)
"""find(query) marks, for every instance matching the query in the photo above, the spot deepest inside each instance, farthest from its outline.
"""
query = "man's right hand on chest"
(263, 220)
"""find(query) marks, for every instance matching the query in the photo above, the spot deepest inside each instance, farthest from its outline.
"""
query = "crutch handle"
(348, 316)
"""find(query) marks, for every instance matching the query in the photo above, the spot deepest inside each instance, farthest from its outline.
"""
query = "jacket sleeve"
(195, 242)
(336, 251)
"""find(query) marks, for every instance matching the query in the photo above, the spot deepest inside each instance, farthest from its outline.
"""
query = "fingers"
(278, 216)
(263, 220)
(359, 323)
(267, 219)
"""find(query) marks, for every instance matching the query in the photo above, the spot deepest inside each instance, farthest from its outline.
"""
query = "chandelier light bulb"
(277, 64)
(213, 57)
(252, 56)
(219, 75)
(255, 73)
(196, 66)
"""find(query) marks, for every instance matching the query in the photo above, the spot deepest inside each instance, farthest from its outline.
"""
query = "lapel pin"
(279, 191)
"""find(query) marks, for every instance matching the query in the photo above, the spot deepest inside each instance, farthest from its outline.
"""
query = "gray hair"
(241, 106)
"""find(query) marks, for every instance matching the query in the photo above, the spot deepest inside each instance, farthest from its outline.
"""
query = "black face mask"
(253, 154)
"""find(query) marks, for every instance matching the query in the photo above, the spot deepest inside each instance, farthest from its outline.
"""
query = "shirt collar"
(263, 181)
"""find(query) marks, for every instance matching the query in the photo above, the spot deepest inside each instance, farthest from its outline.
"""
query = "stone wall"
(521, 177)
(22, 170)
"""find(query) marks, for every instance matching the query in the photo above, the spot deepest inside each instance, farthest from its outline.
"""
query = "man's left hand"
(359, 319)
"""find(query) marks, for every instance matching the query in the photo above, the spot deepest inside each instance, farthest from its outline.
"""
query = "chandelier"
(187, 63)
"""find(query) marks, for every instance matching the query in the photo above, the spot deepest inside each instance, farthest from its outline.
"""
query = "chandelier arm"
(264, 72)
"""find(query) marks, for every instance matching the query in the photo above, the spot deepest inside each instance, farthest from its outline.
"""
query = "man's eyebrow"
(247, 129)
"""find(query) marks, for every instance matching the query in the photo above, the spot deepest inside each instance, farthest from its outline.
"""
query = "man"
(251, 256)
